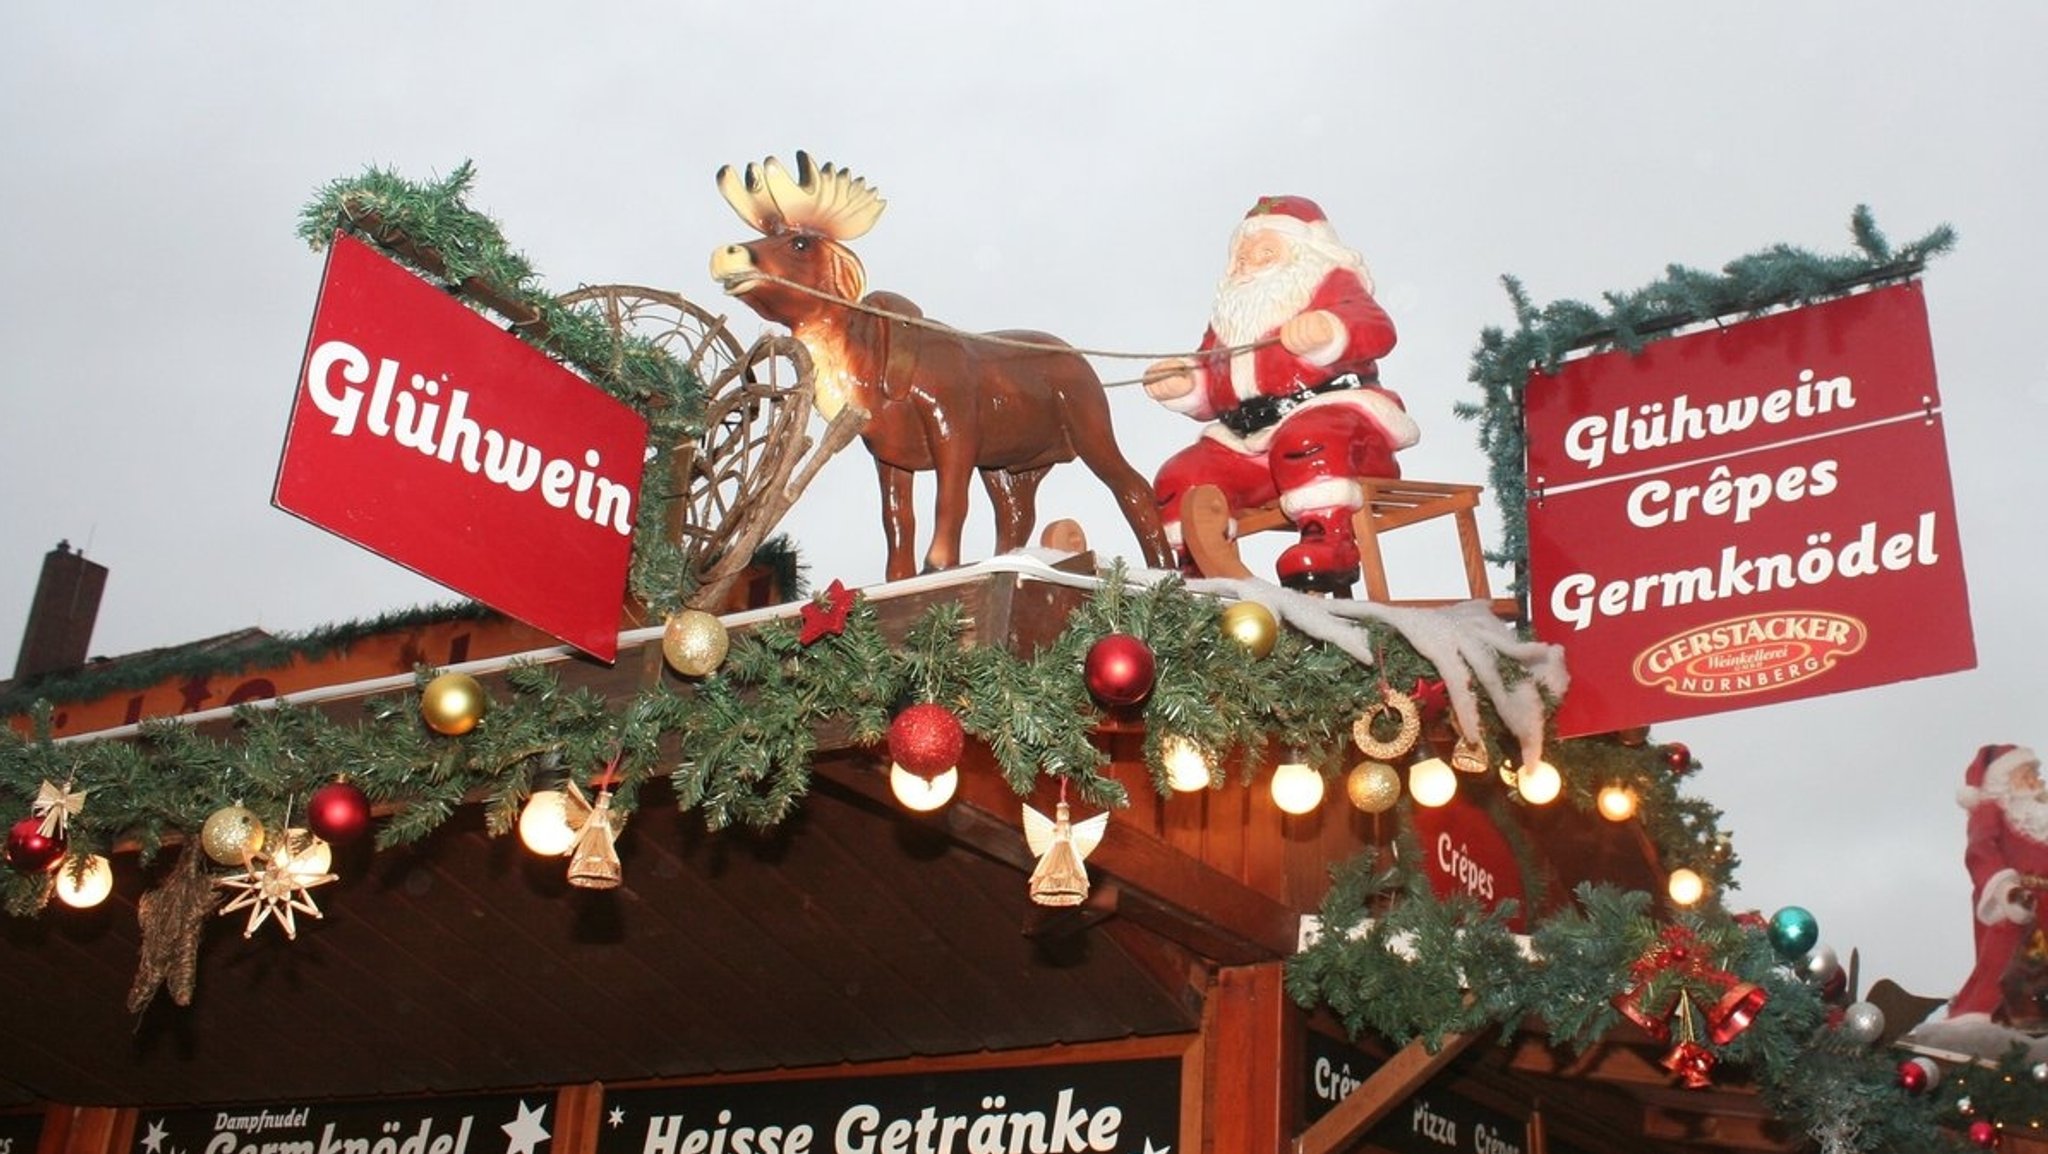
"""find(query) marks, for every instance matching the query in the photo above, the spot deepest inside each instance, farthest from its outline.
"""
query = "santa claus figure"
(1288, 377)
(2007, 856)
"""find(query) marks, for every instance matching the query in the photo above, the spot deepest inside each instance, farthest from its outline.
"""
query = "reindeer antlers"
(829, 201)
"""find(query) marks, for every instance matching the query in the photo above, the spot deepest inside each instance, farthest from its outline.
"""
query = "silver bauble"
(1862, 1023)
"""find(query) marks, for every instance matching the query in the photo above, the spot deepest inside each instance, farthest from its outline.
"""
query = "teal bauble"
(1793, 933)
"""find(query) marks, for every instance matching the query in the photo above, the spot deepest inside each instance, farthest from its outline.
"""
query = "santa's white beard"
(2027, 813)
(1252, 305)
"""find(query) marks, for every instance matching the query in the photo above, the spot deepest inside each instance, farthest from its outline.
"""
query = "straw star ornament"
(269, 888)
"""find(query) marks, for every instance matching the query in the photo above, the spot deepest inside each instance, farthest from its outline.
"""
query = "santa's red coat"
(1348, 433)
(1994, 847)
(1271, 370)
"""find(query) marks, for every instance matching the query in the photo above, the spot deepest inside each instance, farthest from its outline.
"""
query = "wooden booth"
(859, 979)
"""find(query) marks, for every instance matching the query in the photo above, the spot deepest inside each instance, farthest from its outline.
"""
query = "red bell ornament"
(1119, 670)
(1735, 1011)
(338, 812)
(1693, 1064)
(29, 849)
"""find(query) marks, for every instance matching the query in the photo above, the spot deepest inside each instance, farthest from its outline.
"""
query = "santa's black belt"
(1262, 412)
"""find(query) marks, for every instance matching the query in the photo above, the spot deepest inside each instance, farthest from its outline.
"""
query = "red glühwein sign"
(1746, 515)
(428, 435)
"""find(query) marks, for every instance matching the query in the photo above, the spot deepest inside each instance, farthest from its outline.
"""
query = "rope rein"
(1010, 342)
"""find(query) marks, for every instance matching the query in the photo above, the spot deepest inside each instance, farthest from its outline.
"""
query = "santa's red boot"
(1325, 560)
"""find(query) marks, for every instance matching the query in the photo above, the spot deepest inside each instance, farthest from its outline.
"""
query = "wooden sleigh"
(1390, 504)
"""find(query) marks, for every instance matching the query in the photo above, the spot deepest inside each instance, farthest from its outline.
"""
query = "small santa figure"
(2007, 856)
(1288, 376)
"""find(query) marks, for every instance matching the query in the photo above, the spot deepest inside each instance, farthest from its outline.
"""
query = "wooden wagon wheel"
(739, 476)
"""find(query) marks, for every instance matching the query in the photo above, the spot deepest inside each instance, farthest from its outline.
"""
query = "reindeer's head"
(804, 222)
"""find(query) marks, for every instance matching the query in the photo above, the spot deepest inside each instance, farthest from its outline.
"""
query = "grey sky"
(1073, 167)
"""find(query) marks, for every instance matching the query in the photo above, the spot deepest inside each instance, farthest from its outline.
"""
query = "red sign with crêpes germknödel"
(1746, 514)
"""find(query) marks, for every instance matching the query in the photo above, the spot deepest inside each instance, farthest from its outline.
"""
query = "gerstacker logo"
(1749, 654)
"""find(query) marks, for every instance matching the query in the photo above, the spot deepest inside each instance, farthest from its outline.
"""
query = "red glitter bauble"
(28, 851)
(926, 739)
(338, 813)
(1984, 1133)
(1678, 757)
(1119, 670)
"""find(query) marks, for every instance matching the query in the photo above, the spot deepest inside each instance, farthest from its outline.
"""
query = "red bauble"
(28, 851)
(926, 739)
(1678, 757)
(1119, 670)
(1984, 1133)
(1918, 1075)
(338, 813)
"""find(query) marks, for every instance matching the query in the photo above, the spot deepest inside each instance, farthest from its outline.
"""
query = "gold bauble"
(453, 703)
(694, 642)
(1373, 786)
(1251, 625)
(231, 836)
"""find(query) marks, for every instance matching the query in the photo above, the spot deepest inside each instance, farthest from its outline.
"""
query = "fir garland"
(750, 730)
(1395, 960)
(1747, 286)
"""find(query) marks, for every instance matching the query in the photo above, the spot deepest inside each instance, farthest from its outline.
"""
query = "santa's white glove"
(2004, 899)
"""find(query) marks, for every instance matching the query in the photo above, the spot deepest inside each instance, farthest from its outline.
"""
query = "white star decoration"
(616, 1118)
(268, 888)
(154, 1140)
(1151, 1149)
(525, 1132)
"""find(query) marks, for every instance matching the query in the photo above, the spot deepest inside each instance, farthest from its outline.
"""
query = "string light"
(544, 823)
(1297, 789)
(1187, 769)
(86, 886)
(1616, 802)
(1432, 782)
(922, 794)
(1539, 784)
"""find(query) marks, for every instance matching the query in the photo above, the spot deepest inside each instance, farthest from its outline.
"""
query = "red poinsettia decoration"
(825, 616)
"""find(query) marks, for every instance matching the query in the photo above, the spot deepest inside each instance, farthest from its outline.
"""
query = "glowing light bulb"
(304, 853)
(1297, 789)
(1187, 770)
(919, 794)
(88, 886)
(544, 823)
(1616, 802)
(1539, 784)
(1432, 782)
(1686, 887)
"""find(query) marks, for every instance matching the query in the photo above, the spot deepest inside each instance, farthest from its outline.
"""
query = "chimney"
(60, 622)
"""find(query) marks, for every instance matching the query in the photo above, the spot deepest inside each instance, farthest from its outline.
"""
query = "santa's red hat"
(1301, 220)
(1296, 216)
(1991, 770)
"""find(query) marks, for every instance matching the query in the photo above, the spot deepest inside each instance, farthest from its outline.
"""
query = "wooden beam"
(1732, 1131)
(1403, 1074)
(1622, 1065)
(1252, 1035)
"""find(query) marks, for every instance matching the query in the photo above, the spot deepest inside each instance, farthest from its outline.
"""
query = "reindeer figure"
(937, 400)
